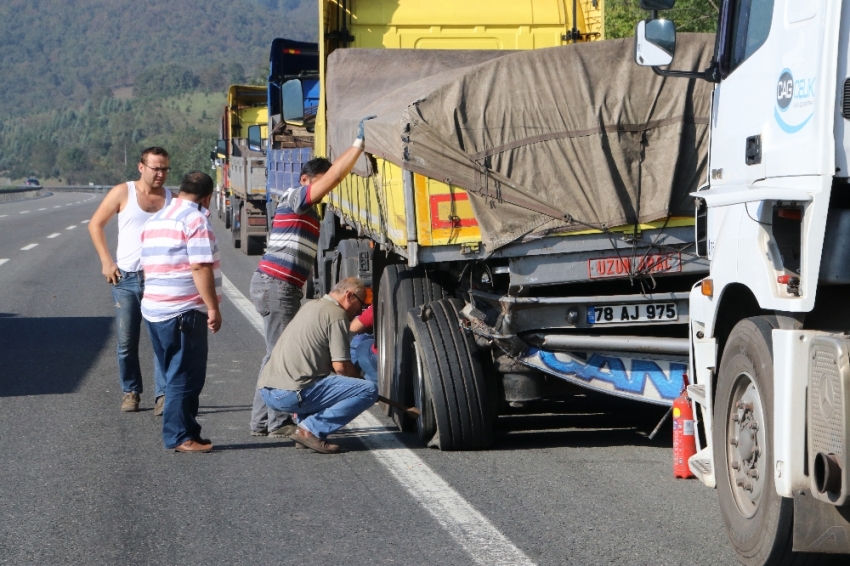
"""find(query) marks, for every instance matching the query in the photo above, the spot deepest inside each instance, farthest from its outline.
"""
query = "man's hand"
(111, 272)
(345, 368)
(360, 141)
(213, 320)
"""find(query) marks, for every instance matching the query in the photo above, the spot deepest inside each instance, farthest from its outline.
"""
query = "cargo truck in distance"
(524, 220)
(241, 196)
(769, 325)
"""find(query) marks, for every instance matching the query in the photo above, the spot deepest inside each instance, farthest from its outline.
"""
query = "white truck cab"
(770, 325)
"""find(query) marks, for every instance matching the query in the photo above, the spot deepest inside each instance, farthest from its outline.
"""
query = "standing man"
(182, 294)
(276, 287)
(134, 203)
(310, 370)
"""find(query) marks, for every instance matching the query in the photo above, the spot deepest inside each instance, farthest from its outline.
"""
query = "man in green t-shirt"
(310, 371)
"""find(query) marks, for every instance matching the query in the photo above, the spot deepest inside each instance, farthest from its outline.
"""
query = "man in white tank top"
(134, 203)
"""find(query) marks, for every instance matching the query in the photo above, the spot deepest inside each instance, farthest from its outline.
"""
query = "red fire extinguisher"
(684, 441)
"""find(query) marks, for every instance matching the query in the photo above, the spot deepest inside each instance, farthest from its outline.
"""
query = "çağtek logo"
(785, 90)
(795, 99)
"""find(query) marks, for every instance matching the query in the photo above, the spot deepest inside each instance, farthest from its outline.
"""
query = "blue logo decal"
(794, 98)
(613, 370)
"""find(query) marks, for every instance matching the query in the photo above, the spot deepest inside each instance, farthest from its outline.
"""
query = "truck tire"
(759, 523)
(251, 245)
(454, 384)
(402, 288)
(235, 228)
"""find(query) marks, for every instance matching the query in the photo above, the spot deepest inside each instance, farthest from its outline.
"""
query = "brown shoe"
(159, 406)
(284, 431)
(130, 402)
(306, 439)
(193, 446)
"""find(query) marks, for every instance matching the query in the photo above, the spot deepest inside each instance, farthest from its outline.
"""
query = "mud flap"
(820, 527)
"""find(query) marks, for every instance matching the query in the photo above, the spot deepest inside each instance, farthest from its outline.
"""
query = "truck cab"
(769, 325)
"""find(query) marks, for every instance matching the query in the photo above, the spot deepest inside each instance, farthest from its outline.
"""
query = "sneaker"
(284, 431)
(130, 402)
(261, 432)
(159, 406)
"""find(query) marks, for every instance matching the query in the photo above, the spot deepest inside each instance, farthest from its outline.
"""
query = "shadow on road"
(49, 356)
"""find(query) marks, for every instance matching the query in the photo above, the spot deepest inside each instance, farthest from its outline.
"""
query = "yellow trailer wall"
(443, 213)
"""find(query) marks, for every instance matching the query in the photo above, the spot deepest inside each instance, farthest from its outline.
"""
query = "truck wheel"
(426, 424)
(759, 522)
(251, 245)
(401, 289)
(235, 229)
(453, 381)
(228, 214)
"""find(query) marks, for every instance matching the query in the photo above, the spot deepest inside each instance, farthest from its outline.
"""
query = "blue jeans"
(277, 302)
(327, 405)
(127, 294)
(180, 345)
(364, 358)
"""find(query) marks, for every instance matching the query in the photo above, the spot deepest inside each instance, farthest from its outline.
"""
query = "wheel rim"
(746, 444)
(419, 390)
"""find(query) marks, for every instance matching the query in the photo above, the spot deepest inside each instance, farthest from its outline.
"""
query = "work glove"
(361, 134)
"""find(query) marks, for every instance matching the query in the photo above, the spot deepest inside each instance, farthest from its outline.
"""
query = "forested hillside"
(84, 81)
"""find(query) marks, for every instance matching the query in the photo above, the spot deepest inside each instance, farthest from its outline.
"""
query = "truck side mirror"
(653, 5)
(655, 43)
(221, 149)
(255, 137)
(292, 93)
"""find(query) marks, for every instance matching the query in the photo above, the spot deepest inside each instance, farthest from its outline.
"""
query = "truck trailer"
(769, 324)
(522, 211)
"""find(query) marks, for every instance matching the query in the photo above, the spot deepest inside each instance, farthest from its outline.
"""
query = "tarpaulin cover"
(551, 139)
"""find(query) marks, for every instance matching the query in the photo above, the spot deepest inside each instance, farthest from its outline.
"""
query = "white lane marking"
(42, 209)
(58, 206)
(28, 247)
(2, 261)
(69, 204)
(54, 235)
(469, 528)
(2, 215)
(71, 227)
(84, 222)
(24, 212)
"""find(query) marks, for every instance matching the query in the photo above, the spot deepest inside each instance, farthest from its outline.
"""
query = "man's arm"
(204, 278)
(345, 368)
(111, 205)
(341, 167)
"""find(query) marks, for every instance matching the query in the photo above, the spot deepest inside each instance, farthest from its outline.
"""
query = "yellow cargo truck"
(521, 210)
(241, 197)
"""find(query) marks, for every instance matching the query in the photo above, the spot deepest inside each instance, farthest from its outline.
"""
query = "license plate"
(623, 314)
(621, 266)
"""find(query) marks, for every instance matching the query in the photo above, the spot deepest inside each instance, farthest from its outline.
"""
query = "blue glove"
(360, 134)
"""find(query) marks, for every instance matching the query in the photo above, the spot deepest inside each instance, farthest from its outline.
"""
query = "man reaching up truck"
(276, 287)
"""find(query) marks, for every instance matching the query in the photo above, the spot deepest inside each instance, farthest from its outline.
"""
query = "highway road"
(577, 482)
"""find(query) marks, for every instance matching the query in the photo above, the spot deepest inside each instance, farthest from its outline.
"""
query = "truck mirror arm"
(711, 74)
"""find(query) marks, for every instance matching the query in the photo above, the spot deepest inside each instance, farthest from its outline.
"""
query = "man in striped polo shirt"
(181, 301)
(276, 287)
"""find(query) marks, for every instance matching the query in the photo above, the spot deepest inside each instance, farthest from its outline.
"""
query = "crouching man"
(310, 371)
(181, 301)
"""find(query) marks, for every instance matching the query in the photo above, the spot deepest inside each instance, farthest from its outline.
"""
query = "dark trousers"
(180, 346)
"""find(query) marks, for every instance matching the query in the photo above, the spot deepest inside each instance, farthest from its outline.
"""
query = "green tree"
(621, 16)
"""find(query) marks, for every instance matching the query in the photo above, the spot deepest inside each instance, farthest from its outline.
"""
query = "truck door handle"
(753, 150)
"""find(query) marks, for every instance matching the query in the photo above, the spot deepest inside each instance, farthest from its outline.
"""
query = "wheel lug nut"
(739, 483)
(748, 486)
(735, 465)
(736, 418)
(754, 473)
(733, 441)
(754, 426)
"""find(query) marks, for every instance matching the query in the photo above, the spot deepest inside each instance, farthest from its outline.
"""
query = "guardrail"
(20, 193)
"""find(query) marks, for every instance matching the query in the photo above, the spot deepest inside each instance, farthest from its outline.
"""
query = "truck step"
(697, 394)
(702, 467)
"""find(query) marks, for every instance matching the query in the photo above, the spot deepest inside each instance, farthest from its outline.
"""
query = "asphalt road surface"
(575, 482)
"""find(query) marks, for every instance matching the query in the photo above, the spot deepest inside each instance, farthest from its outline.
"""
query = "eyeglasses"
(362, 302)
(163, 170)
